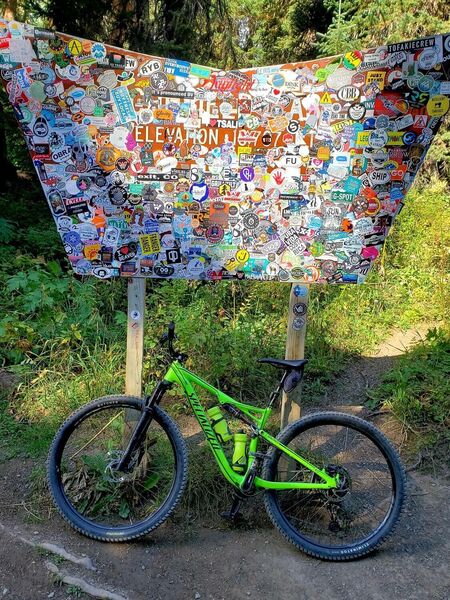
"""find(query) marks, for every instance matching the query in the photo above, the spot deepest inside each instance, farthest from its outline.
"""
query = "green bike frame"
(259, 417)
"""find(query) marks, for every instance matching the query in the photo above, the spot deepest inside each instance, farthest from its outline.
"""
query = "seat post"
(276, 392)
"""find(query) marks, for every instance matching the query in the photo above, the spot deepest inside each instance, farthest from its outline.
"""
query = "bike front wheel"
(91, 494)
(352, 520)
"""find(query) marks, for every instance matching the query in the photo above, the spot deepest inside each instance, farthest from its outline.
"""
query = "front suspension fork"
(142, 426)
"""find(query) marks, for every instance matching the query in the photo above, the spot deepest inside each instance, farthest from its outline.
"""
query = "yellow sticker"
(150, 243)
(91, 251)
(326, 98)
(278, 124)
(224, 189)
(323, 153)
(75, 47)
(395, 138)
(232, 264)
(376, 77)
(340, 125)
(352, 59)
(242, 255)
(438, 106)
(163, 114)
(245, 150)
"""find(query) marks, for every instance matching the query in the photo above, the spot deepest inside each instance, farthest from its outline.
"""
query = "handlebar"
(169, 337)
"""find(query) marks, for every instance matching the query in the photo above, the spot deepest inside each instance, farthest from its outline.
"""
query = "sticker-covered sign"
(161, 168)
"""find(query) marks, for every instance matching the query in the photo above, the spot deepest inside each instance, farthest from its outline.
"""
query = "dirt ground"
(183, 562)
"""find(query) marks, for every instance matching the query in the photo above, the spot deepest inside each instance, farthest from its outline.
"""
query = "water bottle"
(239, 461)
(219, 424)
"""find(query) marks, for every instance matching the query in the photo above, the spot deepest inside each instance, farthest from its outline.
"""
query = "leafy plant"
(417, 390)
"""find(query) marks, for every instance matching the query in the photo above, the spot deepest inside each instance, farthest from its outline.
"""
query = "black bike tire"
(352, 551)
(86, 526)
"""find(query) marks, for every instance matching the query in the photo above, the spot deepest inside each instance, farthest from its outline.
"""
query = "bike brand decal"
(204, 421)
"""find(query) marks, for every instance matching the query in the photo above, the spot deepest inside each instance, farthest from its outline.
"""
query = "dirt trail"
(178, 562)
(366, 371)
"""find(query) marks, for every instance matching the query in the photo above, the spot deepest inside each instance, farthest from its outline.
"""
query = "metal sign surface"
(157, 167)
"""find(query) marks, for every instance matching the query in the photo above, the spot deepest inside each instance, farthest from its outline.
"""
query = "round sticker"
(382, 122)
(278, 80)
(74, 47)
(242, 255)
(267, 138)
(300, 290)
(226, 108)
(356, 111)
(87, 105)
(117, 195)
(215, 234)
(378, 138)
(247, 174)
(409, 137)
(251, 221)
(298, 323)
(300, 309)
(159, 80)
(438, 105)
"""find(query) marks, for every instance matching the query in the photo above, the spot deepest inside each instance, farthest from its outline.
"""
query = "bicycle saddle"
(288, 365)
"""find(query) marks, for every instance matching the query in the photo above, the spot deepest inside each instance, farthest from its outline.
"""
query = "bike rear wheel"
(354, 519)
(96, 499)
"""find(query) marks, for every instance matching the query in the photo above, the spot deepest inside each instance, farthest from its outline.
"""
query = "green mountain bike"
(334, 485)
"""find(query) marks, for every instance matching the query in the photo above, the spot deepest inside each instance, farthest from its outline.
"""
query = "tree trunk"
(10, 10)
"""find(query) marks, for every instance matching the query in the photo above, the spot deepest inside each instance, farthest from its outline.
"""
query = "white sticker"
(445, 88)
(135, 315)
(21, 50)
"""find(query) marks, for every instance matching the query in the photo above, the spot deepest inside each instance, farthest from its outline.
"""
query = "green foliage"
(7, 231)
(282, 31)
(378, 22)
(417, 390)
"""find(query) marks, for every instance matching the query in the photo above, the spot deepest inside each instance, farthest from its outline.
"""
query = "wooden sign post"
(295, 347)
(135, 336)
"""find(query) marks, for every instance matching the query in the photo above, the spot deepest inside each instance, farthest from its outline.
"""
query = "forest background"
(62, 338)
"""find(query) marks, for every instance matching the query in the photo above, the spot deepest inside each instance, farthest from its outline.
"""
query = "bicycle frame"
(259, 416)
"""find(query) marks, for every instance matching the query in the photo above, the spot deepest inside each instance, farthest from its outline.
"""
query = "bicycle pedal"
(231, 516)
(234, 513)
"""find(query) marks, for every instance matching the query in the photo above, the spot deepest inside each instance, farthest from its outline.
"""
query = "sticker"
(356, 111)
(300, 290)
(75, 47)
(438, 106)
(124, 105)
(298, 323)
(299, 309)
(378, 138)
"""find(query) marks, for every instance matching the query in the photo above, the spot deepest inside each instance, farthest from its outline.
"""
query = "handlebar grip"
(171, 330)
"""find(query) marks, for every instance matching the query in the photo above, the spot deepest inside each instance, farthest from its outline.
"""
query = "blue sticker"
(300, 290)
(124, 104)
(352, 184)
(178, 68)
